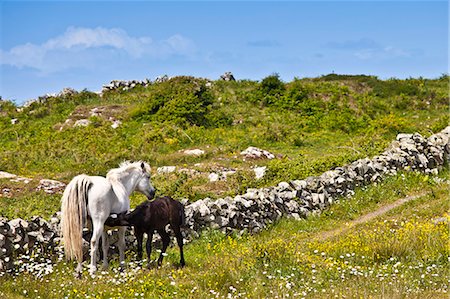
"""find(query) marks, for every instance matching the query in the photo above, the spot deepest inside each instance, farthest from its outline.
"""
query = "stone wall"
(18, 237)
(257, 208)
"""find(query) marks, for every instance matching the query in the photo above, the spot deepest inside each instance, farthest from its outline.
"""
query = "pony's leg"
(179, 237)
(139, 237)
(121, 245)
(148, 247)
(105, 247)
(166, 240)
(97, 229)
(78, 270)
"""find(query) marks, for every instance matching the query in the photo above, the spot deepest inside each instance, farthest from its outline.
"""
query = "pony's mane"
(127, 166)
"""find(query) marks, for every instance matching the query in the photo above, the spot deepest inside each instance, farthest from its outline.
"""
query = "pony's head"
(141, 173)
(144, 184)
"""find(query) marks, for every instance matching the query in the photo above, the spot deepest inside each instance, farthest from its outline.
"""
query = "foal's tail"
(73, 208)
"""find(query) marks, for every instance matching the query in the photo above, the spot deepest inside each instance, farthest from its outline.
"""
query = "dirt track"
(367, 217)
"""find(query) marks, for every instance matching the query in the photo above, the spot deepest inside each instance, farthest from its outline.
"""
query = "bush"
(393, 87)
(271, 90)
(182, 100)
(6, 107)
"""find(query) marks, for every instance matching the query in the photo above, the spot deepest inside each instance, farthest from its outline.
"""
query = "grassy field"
(401, 254)
(310, 124)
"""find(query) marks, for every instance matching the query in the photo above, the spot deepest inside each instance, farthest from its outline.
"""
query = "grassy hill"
(310, 125)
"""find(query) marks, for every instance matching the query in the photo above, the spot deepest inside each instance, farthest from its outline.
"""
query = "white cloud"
(385, 52)
(359, 44)
(179, 44)
(80, 47)
(99, 37)
(366, 48)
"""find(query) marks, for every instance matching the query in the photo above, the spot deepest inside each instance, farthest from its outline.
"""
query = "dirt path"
(367, 217)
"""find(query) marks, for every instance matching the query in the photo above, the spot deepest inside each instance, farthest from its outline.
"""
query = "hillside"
(309, 125)
(388, 240)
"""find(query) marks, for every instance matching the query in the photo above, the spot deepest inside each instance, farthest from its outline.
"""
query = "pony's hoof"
(122, 267)
(92, 272)
(150, 265)
(77, 275)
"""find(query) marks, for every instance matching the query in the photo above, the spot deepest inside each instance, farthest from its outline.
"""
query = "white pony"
(98, 197)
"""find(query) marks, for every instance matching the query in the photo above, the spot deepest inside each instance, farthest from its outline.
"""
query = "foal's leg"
(97, 229)
(139, 237)
(121, 245)
(166, 240)
(105, 247)
(179, 237)
(148, 247)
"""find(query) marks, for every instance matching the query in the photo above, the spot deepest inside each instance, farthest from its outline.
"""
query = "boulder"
(7, 175)
(227, 76)
(256, 153)
(213, 177)
(166, 169)
(161, 79)
(259, 172)
(5, 228)
(194, 152)
(82, 123)
(50, 186)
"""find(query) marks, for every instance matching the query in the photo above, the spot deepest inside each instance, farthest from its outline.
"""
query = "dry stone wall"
(257, 208)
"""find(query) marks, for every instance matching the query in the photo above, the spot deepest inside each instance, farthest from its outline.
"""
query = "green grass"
(309, 124)
(403, 253)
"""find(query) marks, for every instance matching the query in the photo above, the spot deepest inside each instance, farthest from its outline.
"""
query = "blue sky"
(48, 45)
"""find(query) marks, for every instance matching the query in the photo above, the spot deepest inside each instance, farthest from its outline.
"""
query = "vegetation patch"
(311, 125)
(288, 258)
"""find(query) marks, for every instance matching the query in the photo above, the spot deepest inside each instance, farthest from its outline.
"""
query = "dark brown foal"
(150, 216)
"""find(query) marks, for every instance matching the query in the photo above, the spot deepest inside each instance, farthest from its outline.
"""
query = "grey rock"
(166, 169)
(50, 186)
(227, 76)
(82, 123)
(257, 153)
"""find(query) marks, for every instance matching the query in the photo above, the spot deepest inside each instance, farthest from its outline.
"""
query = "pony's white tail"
(73, 209)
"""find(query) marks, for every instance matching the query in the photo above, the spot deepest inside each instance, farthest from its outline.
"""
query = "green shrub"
(184, 101)
(313, 117)
(300, 168)
(6, 107)
(441, 123)
(391, 123)
(270, 90)
(393, 87)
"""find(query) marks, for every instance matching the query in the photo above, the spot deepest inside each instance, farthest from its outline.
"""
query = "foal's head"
(135, 217)
(121, 219)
